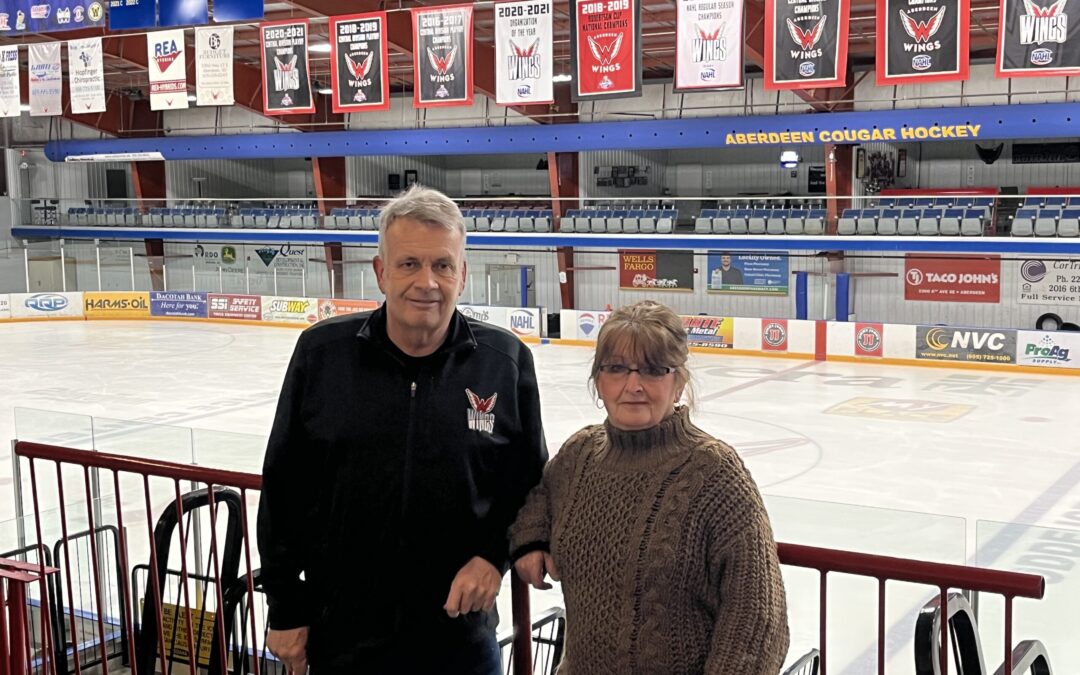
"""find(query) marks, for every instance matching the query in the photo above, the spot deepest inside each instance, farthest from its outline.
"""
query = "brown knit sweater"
(665, 552)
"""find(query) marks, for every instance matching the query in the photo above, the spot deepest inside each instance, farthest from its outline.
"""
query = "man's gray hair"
(422, 204)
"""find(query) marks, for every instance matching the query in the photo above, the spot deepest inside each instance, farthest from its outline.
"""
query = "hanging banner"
(183, 13)
(605, 48)
(166, 55)
(442, 56)
(37, 16)
(358, 61)
(523, 52)
(10, 92)
(708, 45)
(125, 14)
(86, 76)
(285, 68)
(1036, 40)
(46, 79)
(214, 66)
(806, 43)
(238, 10)
(922, 41)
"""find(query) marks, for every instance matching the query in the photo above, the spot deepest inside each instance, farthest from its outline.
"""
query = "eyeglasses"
(617, 371)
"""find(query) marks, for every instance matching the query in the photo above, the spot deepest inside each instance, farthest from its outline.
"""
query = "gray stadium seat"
(928, 222)
(846, 226)
(866, 222)
(887, 224)
(972, 223)
(908, 225)
(1023, 224)
(738, 224)
(814, 225)
(949, 226)
(1046, 222)
(775, 223)
(665, 224)
(1069, 225)
(756, 222)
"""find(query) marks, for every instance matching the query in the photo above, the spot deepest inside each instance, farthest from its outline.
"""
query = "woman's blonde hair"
(647, 333)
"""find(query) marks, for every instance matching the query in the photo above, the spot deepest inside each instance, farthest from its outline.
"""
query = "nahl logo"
(523, 62)
(708, 45)
(922, 31)
(1043, 24)
(442, 64)
(605, 48)
(480, 416)
(806, 39)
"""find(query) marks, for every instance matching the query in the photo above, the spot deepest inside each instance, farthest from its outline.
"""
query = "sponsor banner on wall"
(774, 335)
(605, 48)
(641, 270)
(214, 66)
(10, 90)
(127, 14)
(179, 303)
(922, 41)
(1056, 349)
(442, 56)
(166, 54)
(806, 43)
(285, 68)
(112, 305)
(242, 307)
(1035, 39)
(1049, 282)
(291, 310)
(743, 274)
(869, 339)
(286, 259)
(951, 278)
(45, 79)
(523, 52)
(708, 44)
(46, 305)
(86, 76)
(329, 307)
(228, 257)
(358, 62)
(586, 325)
(717, 332)
(5, 306)
(521, 321)
(965, 344)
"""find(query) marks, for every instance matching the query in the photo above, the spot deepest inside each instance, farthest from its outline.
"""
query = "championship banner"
(167, 57)
(442, 56)
(10, 91)
(214, 66)
(523, 52)
(806, 43)
(708, 45)
(285, 69)
(1036, 40)
(45, 78)
(358, 62)
(605, 48)
(86, 76)
(922, 41)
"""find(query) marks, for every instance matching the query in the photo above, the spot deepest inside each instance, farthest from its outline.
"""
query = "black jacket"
(379, 487)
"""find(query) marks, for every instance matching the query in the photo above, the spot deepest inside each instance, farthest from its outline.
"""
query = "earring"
(599, 404)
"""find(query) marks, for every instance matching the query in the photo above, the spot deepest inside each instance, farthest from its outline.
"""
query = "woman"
(655, 528)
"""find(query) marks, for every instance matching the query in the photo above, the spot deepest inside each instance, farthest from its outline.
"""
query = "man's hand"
(473, 589)
(290, 647)
(532, 567)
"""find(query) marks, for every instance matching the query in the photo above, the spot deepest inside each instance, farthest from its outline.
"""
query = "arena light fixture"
(320, 48)
(565, 77)
(789, 159)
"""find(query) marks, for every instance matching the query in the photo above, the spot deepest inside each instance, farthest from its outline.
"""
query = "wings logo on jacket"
(524, 53)
(1038, 12)
(359, 70)
(481, 405)
(442, 65)
(807, 39)
(923, 31)
(607, 52)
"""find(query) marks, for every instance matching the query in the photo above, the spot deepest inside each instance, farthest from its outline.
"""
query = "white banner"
(214, 65)
(10, 92)
(521, 321)
(46, 79)
(167, 60)
(709, 44)
(1058, 349)
(523, 58)
(46, 305)
(291, 310)
(86, 76)
(1049, 282)
(576, 325)
(284, 259)
(5, 306)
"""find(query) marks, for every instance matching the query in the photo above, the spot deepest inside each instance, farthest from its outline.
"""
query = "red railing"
(825, 561)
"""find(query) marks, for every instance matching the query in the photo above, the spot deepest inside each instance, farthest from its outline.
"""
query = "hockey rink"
(928, 463)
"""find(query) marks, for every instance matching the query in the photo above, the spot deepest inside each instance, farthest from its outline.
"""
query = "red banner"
(605, 48)
(869, 339)
(949, 278)
(774, 335)
(245, 307)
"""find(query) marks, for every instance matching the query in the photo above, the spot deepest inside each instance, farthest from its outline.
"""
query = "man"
(728, 274)
(404, 443)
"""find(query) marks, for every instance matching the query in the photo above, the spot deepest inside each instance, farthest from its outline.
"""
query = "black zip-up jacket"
(378, 487)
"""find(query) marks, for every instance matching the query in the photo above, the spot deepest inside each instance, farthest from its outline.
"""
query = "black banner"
(442, 56)
(922, 40)
(1036, 40)
(286, 75)
(805, 43)
(358, 58)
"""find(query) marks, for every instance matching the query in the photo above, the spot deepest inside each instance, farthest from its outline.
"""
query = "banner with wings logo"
(285, 69)
(709, 44)
(605, 54)
(358, 58)
(806, 43)
(442, 56)
(1036, 40)
(523, 52)
(922, 41)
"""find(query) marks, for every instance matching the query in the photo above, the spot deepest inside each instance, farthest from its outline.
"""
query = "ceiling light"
(326, 91)
(24, 108)
(192, 97)
(562, 78)
(321, 48)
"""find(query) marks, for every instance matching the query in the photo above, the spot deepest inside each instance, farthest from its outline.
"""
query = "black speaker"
(393, 182)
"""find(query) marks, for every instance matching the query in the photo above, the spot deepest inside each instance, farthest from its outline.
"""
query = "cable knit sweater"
(665, 552)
